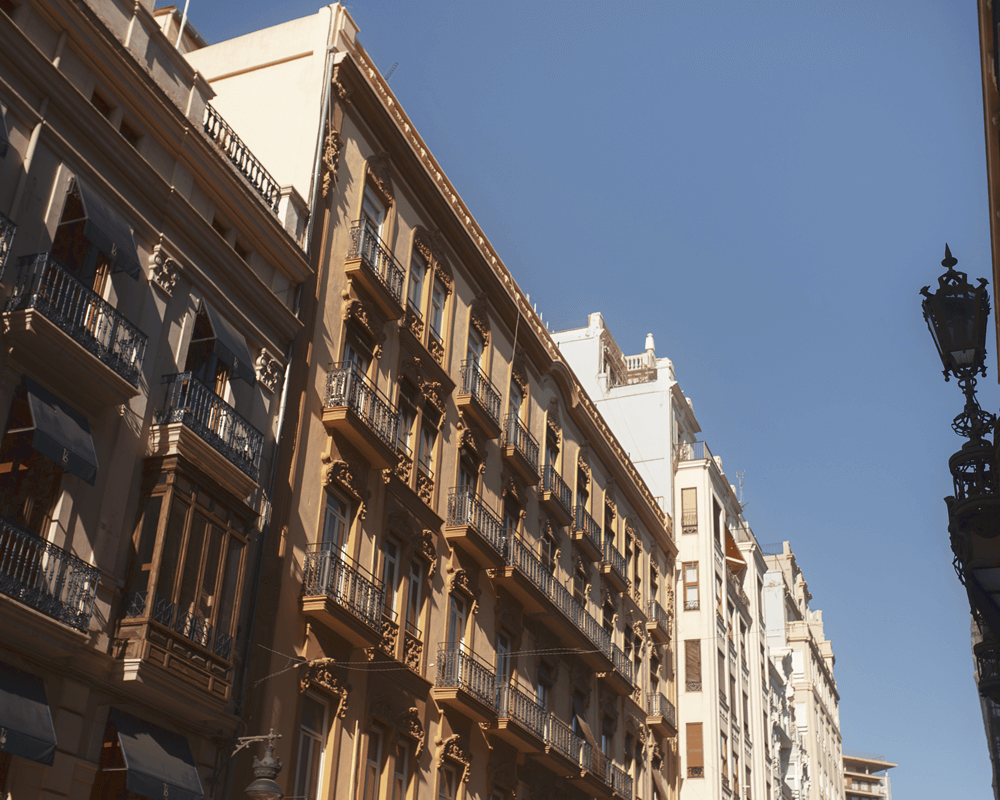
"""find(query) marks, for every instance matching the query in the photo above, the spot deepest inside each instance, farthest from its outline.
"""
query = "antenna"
(739, 476)
(392, 69)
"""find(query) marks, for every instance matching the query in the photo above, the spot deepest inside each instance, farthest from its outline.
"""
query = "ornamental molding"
(163, 271)
(380, 173)
(339, 89)
(428, 549)
(479, 318)
(552, 423)
(451, 749)
(461, 584)
(320, 675)
(339, 474)
(433, 393)
(502, 772)
(610, 501)
(519, 370)
(332, 147)
(270, 372)
(468, 440)
(382, 709)
(408, 724)
(583, 463)
(365, 317)
(513, 492)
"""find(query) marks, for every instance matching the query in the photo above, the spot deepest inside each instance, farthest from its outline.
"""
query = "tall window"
(390, 574)
(407, 417)
(724, 757)
(414, 599)
(456, 620)
(418, 271)
(373, 210)
(717, 521)
(582, 492)
(312, 743)
(72, 248)
(475, 347)
(547, 546)
(447, 782)
(689, 510)
(401, 770)
(336, 523)
(468, 474)
(373, 764)
(695, 750)
(544, 689)
(692, 664)
(511, 519)
(202, 361)
(516, 400)
(691, 586)
(438, 295)
(428, 437)
(580, 585)
(358, 355)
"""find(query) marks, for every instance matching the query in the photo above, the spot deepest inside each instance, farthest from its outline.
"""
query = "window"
(717, 521)
(609, 524)
(692, 664)
(336, 523)
(475, 348)
(580, 585)
(689, 510)
(372, 211)
(456, 620)
(447, 782)
(547, 546)
(719, 595)
(199, 544)
(357, 355)
(414, 598)
(390, 575)
(695, 750)
(724, 758)
(373, 764)
(220, 227)
(241, 251)
(503, 659)
(438, 294)
(98, 101)
(407, 417)
(312, 743)
(582, 493)
(202, 361)
(691, 586)
(418, 271)
(401, 770)
(468, 475)
(608, 611)
(72, 248)
(607, 737)
(428, 437)
(516, 400)
(511, 519)
(132, 136)
(544, 691)
(551, 450)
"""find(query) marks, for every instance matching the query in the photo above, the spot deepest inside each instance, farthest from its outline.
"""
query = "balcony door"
(373, 211)
(475, 348)
(457, 616)
(336, 524)
(503, 672)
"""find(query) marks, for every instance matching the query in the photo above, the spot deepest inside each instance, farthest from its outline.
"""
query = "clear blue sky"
(765, 187)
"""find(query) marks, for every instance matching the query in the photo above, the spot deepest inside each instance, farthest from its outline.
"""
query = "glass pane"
(170, 559)
(192, 565)
(207, 599)
(230, 583)
(146, 544)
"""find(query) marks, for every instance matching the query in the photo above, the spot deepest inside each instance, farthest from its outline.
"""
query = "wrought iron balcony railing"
(458, 668)
(366, 245)
(465, 507)
(7, 231)
(574, 747)
(45, 577)
(656, 613)
(613, 557)
(347, 386)
(514, 704)
(191, 626)
(586, 523)
(44, 284)
(239, 154)
(621, 662)
(516, 435)
(329, 572)
(552, 482)
(658, 706)
(693, 451)
(475, 382)
(619, 780)
(192, 403)
(691, 605)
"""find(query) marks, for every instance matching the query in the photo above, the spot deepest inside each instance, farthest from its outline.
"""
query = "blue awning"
(158, 762)
(231, 348)
(26, 728)
(62, 433)
(108, 231)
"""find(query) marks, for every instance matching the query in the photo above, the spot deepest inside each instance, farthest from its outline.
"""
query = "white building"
(793, 628)
(723, 688)
(790, 765)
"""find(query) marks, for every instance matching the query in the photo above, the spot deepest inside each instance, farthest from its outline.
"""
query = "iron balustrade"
(239, 154)
(693, 451)
(45, 577)
(574, 747)
(656, 613)
(7, 231)
(465, 507)
(458, 668)
(514, 704)
(191, 626)
(347, 386)
(329, 572)
(520, 556)
(42, 283)
(192, 403)
(619, 780)
(475, 383)
(586, 523)
(621, 662)
(376, 255)
(613, 557)
(659, 706)
(552, 482)
(516, 435)
(691, 605)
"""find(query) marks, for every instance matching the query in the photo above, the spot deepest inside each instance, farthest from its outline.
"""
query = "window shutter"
(695, 748)
(692, 657)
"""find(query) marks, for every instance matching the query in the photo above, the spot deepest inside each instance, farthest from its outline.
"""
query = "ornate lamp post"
(265, 769)
(957, 314)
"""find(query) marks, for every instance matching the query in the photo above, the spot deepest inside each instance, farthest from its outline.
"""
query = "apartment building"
(790, 762)
(471, 593)
(866, 776)
(793, 628)
(723, 694)
(151, 273)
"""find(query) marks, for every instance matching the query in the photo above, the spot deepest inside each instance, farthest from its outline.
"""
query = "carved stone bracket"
(468, 440)
(332, 147)
(461, 584)
(451, 749)
(511, 490)
(347, 477)
(380, 173)
(364, 316)
(320, 674)
(518, 370)
(428, 549)
(583, 463)
(430, 244)
(269, 371)
(433, 394)
(339, 89)
(479, 318)
(163, 271)
(408, 724)
(552, 421)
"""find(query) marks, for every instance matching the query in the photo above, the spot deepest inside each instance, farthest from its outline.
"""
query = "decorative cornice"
(409, 725)
(345, 476)
(479, 317)
(451, 749)
(380, 173)
(319, 674)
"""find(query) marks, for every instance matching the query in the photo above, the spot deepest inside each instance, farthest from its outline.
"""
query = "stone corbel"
(163, 271)
(339, 474)
(332, 147)
(320, 674)
(270, 373)
(408, 724)
(451, 749)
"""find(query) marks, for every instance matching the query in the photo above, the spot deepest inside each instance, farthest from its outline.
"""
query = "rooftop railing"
(459, 668)
(552, 482)
(239, 154)
(465, 507)
(347, 386)
(7, 231)
(45, 577)
(328, 572)
(516, 435)
(192, 403)
(475, 382)
(586, 523)
(191, 626)
(44, 284)
(693, 451)
(369, 247)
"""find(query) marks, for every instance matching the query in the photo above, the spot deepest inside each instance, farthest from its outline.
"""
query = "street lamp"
(265, 770)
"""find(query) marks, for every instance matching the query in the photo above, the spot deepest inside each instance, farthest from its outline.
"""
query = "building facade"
(471, 593)
(723, 693)
(151, 277)
(794, 629)
(866, 776)
(790, 762)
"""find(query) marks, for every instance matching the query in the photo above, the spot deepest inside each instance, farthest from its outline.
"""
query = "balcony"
(555, 496)
(521, 722)
(520, 449)
(587, 533)
(657, 623)
(355, 409)
(70, 337)
(465, 683)
(225, 445)
(343, 596)
(241, 157)
(620, 678)
(474, 529)
(613, 567)
(619, 780)
(46, 578)
(661, 715)
(372, 265)
(160, 644)
(479, 399)
(7, 231)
